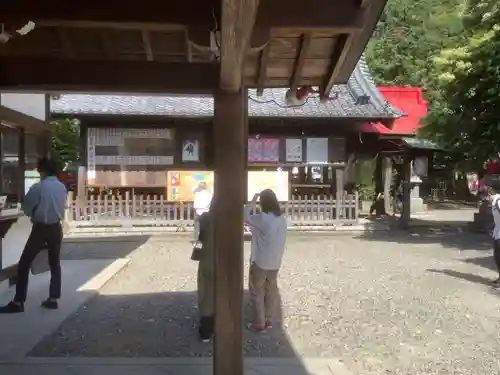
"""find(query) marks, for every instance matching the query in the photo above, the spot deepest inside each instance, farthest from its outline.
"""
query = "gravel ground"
(384, 303)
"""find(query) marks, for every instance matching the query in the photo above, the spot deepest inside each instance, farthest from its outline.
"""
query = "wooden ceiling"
(153, 46)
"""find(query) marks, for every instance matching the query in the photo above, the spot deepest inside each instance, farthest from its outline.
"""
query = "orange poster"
(181, 184)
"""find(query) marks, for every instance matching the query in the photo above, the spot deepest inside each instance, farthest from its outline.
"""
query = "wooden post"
(230, 137)
(1, 161)
(406, 209)
(47, 144)
(21, 150)
(387, 179)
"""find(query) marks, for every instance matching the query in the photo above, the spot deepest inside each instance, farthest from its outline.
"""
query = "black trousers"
(496, 254)
(42, 236)
(206, 328)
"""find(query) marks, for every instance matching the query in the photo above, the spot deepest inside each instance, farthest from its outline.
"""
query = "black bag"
(197, 253)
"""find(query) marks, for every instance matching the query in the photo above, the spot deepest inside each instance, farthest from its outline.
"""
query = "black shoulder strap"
(496, 204)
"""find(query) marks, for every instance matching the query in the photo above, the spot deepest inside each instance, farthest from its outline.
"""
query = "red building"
(407, 99)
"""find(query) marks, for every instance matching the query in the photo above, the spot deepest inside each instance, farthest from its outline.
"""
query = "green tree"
(409, 35)
(66, 141)
(467, 122)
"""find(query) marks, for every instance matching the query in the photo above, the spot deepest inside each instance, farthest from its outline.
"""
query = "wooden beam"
(59, 75)
(20, 120)
(183, 12)
(66, 43)
(146, 41)
(230, 142)
(355, 44)
(107, 45)
(238, 19)
(263, 61)
(310, 14)
(339, 55)
(305, 43)
(273, 13)
(189, 47)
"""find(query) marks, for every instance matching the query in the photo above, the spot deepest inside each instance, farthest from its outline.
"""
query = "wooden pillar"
(21, 152)
(1, 190)
(387, 179)
(45, 144)
(302, 175)
(406, 209)
(81, 188)
(1, 161)
(230, 138)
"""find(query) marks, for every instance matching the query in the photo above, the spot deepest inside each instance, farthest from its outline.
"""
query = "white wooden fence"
(154, 210)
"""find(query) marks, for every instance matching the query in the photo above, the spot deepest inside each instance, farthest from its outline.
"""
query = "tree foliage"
(408, 36)
(66, 141)
(466, 121)
(451, 49)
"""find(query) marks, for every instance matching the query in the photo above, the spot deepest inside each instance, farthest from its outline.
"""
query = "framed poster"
(30, 178)
(182, 184)
(263, 150)
(190, 150)
(317, 150)
(294, 150)
(277, 181)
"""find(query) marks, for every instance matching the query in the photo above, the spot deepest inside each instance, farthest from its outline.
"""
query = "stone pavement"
(166, 366)
(81, 281)
(379, 302)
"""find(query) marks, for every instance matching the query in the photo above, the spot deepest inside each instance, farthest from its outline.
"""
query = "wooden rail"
(155, 210)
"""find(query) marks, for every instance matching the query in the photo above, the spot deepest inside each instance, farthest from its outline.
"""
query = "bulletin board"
(181, 184)
(277, 181)
(263, 150)
(30, 178)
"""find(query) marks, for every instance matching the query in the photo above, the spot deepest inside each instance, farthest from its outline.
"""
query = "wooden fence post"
(127, 204)
(68, 212)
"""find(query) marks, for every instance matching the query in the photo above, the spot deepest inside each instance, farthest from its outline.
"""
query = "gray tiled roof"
(359, 98)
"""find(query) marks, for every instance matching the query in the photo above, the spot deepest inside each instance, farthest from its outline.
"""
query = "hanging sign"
(263, 150)
(294, 150)
(190, 150)
(317, 150)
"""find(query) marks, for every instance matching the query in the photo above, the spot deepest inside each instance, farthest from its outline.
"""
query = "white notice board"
(317, 150)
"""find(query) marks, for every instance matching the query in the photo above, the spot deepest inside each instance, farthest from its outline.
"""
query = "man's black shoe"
(12, 308)
(50, 304)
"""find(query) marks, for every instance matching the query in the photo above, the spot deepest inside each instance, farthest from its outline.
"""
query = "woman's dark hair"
(269, 203)
(47, 166)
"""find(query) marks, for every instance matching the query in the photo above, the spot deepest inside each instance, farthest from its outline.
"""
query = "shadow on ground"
(464, 276)
(486, 262)
(456, 240)
(123, 246)
(451, 205)
(148, 325)
(151, 325)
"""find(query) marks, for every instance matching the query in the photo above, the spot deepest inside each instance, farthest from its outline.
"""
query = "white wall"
(33, 105)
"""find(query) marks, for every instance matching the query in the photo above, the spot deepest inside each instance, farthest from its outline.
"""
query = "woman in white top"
(268, 229)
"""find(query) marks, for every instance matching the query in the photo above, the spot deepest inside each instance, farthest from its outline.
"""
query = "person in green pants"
(205, 278)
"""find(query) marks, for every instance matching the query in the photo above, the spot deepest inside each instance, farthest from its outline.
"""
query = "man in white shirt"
(495, 208)
(201, 204)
